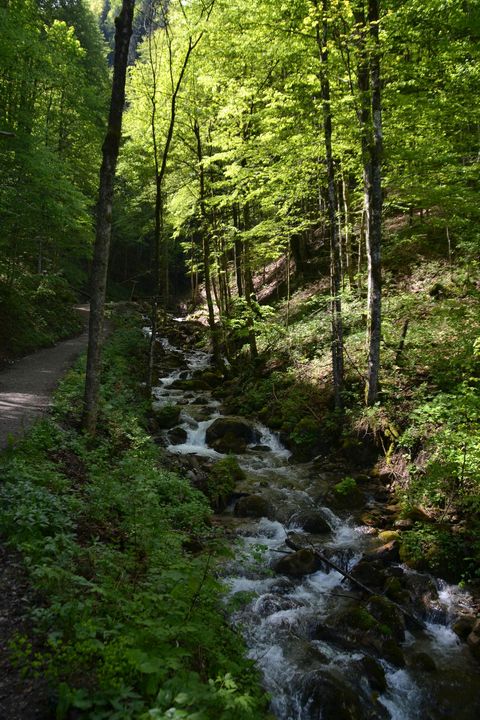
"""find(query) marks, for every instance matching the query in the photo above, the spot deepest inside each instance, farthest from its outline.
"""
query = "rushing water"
(309, 675)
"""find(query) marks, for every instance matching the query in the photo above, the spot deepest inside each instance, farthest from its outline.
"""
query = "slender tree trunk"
(370, 117)
(249, 288)
(335, 249)
(123, 32)
(375, 226)
(348, 240)
(206, 248)
(238, 252)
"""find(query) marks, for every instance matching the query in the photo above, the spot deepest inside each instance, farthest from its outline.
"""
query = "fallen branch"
(294, 546)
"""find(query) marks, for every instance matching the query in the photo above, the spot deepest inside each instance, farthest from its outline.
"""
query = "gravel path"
(26, 387)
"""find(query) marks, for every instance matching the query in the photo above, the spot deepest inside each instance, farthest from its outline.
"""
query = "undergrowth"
(130, 620)
(425, 427)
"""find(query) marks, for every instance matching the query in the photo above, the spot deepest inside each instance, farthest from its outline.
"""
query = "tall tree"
(111, 145)
(322, 37)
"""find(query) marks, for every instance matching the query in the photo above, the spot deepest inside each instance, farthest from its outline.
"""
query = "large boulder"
(253, 506)
(166, 416)
(390, 552)
(329, 697)
(231, 434)
(177, 435)
(312, 521)
(297, 564)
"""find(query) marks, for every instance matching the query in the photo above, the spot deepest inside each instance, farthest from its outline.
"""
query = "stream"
(307, 634)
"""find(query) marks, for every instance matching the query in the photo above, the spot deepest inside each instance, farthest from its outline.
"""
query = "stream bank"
(325, 648)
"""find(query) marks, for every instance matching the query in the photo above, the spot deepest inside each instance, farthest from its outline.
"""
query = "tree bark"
(335, 248)
(111, 145)
(374, 236)
(206, 247)
(370, 117)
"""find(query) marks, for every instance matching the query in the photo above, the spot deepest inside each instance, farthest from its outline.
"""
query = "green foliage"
(345, 486)
(131, 622)
(223, 477)
(35, 310)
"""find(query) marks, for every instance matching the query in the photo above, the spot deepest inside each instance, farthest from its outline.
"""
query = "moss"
(223, 477)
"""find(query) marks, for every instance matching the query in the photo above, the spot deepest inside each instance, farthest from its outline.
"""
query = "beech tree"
(111, 145)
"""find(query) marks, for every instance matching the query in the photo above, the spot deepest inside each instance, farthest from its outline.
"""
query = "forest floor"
(25, 392)
(27, 386)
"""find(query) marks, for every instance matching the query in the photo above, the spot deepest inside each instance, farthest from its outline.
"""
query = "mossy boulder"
(254, 506)
(387, 615)
(369, 573)
(423, 662)
(330, 698)
(166, 416)
(312, 521)
(387, 536)
(393, 653)
(297, 564)
(177, 435)
(212, 379)
(387, 553)
(222, 478)
(374, 673)
(346, 495)
(231, 434)
(358, 618)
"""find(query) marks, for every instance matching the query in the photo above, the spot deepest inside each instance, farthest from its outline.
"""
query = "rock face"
(300, 563)
(231, 434)
(253, 506)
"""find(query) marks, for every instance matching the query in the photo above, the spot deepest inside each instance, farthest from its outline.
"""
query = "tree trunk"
(374, 236)
(370, 118)
(335, 249)
(111, 145)
(206, 248)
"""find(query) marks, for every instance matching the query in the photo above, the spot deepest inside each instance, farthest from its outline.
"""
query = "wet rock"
(373, 518)
(393, 653)
(312, 521)
(261, 448)
(271, 603)
(396, 591)
(386, 553)
(297, 564)
(253, 506)
(329, 697)
(297, 541)
(231, 434)
(473, 641)
(463, 626)
(374, 673)
(389, 617)
(404, 524)
(166, 416)
(177, 436)
(369, 573)
(423, 662)
(386, 536)
(346, 496)
(212, 378)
